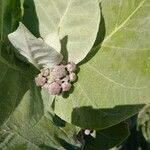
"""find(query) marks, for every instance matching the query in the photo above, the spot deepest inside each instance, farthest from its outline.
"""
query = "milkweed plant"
(73, 73)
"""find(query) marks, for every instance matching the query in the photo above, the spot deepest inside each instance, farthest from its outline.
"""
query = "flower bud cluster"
(58, 79)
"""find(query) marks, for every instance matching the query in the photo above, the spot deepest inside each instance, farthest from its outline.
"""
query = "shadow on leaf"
(116, 115)
(30, 19)
(100, 37)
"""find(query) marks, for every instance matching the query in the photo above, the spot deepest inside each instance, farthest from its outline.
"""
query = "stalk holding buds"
(66, 86)
(72, 77)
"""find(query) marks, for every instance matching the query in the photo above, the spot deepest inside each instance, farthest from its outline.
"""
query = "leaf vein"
(119, 10)
(85, 93)
(119, 27)
(67, 8)
(113, 81)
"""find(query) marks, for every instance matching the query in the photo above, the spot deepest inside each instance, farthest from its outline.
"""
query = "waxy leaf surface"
(114, 79)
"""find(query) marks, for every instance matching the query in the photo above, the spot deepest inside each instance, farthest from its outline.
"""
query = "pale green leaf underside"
(35, 50)
(114, 82)
(77, 20)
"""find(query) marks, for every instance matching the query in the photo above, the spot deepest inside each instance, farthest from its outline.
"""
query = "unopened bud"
(71, 67)
(54, 88)
(40, 80)
(72, 77)
(45, 72)
(66, 86)
(59, 72)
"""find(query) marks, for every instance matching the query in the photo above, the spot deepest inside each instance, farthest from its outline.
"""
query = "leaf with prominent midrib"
(75, 20)
(114, 80)
(35, 50)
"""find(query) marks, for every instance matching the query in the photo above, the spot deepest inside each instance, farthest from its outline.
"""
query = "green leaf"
(35, 50)
(10, 13)
(77, 21)
(11, 88)
(114, 80)
(107, 138)
(48, 131)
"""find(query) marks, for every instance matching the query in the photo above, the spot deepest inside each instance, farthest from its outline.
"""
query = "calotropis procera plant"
(107, 40)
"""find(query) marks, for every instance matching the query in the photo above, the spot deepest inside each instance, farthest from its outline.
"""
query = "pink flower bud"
(59, 72)
(40, 80)
(66, 86)
(45, 72)
(54, 88)
(72, 77)
(71, 67)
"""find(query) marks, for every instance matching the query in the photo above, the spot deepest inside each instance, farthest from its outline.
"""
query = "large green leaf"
(114, 80)
(76, 21)
(107, 138)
